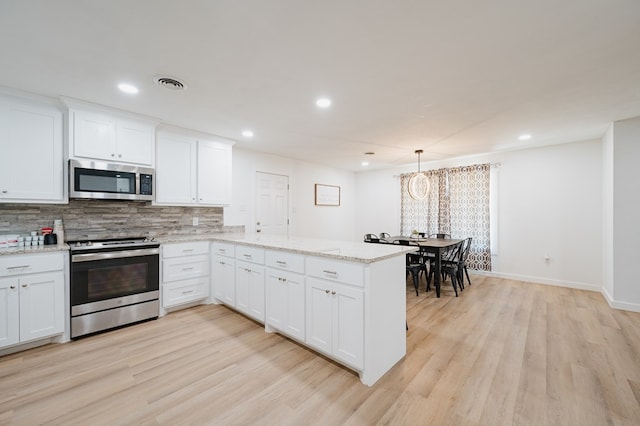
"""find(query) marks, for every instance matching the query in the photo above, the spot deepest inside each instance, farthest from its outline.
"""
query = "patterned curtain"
(457, 204)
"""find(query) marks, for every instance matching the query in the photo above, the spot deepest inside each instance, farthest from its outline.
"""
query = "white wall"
(607, 213)
(306, 219)
(626, 205)
(549, 203)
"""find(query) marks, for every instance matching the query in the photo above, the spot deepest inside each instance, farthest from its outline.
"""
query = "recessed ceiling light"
(323, 102)
(128, 88)
(247, 133)
(524, 137)
(365, 163)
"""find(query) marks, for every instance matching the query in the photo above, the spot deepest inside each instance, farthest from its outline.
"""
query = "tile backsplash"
(99, 219)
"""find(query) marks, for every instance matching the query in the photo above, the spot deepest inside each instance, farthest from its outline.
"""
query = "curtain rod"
(492, 165)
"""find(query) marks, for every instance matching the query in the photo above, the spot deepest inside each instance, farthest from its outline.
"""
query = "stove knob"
(78, 244)
(89, 243)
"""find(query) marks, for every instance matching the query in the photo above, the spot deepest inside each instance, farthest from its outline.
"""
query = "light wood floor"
(502, 353)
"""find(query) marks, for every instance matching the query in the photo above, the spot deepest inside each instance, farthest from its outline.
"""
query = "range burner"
(113, 244)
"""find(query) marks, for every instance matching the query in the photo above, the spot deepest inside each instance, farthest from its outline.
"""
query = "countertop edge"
(33, 250)
(236, 239)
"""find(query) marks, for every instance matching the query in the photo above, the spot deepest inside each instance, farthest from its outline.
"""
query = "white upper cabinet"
(109, 137)
(176, 170)
(31, 141)
(192, 171)
(214, 173)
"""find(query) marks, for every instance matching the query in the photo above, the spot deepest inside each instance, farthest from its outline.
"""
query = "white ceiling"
(451, 77)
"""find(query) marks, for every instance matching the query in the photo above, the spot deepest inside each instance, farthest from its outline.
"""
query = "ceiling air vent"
(169, 82)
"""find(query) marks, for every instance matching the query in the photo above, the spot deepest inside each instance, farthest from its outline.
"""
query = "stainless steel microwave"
(110, 181)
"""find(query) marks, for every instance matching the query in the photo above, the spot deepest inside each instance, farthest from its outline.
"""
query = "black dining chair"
(450, 266)
(463, 267)
(371, 238)
(414, 265)
(440, 235)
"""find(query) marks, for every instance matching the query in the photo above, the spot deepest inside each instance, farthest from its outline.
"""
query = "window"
(457, 204)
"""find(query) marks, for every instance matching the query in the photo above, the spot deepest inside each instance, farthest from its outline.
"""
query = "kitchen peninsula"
(345, 300)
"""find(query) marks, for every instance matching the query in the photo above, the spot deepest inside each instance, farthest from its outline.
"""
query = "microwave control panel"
(146, 184)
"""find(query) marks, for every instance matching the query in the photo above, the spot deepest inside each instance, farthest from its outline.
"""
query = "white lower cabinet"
(335, 320)
(285, 302)
(31, 297)
(250, 289)
(224, 286)
(185, 273)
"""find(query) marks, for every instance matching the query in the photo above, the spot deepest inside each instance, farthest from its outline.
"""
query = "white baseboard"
(540, 280)
(624, 306)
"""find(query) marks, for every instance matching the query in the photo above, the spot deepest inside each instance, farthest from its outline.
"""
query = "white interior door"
(272, 203)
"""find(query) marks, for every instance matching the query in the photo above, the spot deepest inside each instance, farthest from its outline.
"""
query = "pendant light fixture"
(418, 185)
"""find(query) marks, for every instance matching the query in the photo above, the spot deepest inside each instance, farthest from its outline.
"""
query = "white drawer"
(250, 254)
(181, 268)
(223, 249)
(185, 249)
(336, 270)
(186, 291)
(30, 263)
(286, 261)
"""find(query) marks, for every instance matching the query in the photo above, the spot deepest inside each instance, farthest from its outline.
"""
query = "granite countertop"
(34, 250)
(334, 249)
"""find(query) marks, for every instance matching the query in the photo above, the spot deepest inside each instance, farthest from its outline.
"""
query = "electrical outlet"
(195, 221)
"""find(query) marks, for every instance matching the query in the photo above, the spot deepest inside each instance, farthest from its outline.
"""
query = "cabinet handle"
(221, 262)
(25, 285)
(187, 292)
(248, 256)
(113, 155)
(4, 191)
(326, 291)
(248, 270)
(12, 287)
(119, 155)
(187, 269)
(186, 250)
(333, 293)
(280, 262)
(330, 272)
(19, 267)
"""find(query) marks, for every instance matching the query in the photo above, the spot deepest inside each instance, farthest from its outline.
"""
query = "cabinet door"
(41, 305)
(94, 135)
(31, 164)
(257, 293)
(319, 317)
(214, 173)
(9, 316)
(243, 279)
(250, 289)
(175, 170)
(134, 142)
(348, 325)
(276, 299)
(295, 306)
(223, 280)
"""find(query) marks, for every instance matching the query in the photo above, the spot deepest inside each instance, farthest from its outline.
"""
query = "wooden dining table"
(428, 245)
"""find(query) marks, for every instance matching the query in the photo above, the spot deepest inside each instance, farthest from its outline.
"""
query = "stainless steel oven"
(113, 283)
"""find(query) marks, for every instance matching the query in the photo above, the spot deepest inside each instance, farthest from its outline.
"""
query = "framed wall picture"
(327, 195)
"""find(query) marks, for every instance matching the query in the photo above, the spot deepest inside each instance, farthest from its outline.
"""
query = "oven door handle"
(89, 257)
